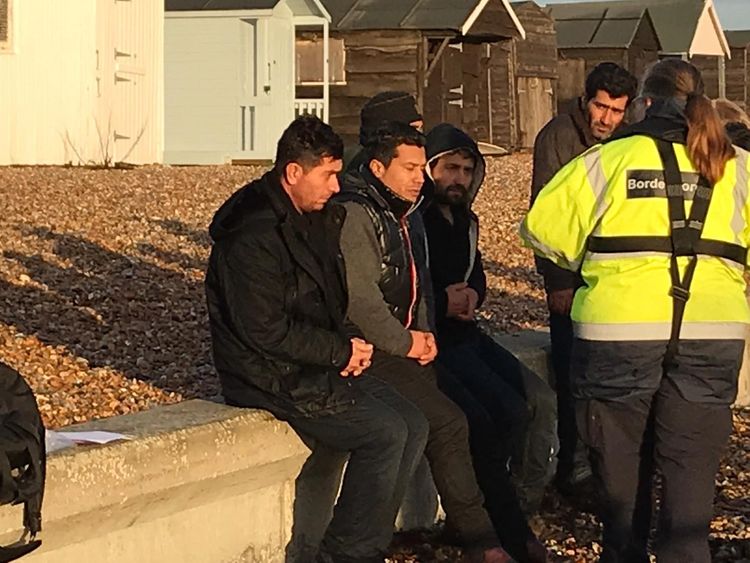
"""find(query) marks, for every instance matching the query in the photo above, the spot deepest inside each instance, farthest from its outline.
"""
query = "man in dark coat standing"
(277, 300)
(609, 91)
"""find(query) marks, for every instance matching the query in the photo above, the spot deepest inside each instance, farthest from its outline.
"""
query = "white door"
(270, 107)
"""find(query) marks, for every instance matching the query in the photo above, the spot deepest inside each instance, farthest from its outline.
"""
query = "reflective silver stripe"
(660, 331)
(545, 250)
(740, 196)
(604, 256)
(601, 256)
(592, 160)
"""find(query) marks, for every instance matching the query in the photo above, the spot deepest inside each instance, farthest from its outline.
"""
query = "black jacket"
(453, 249)
(739, 134)
(385, 250)
(277, 303)
(559, 142)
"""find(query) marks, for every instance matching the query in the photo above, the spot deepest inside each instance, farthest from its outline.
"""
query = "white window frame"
(332, 81)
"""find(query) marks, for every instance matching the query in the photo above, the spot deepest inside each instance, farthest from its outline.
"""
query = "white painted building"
(81, 81)
(230, 76)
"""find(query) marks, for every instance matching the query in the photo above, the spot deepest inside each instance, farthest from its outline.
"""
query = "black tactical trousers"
(676, 421)
(572, 463)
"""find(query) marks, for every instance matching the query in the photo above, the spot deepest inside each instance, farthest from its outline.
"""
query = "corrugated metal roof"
(439, 14)
(738, 39)
(596, 24)
(675, 21)
(575, 33)
(197, 5)
(347, 15)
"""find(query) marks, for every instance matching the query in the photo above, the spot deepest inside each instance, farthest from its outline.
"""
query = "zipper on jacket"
(412, 273)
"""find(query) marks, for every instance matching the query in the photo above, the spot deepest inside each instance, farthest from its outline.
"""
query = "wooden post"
(743, 391)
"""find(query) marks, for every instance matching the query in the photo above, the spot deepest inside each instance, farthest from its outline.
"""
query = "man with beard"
(520, 404)
(387, 301)
(609, 91)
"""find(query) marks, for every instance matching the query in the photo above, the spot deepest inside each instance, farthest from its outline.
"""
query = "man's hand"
(457, 300)
(361, 358)
(432, 350)
(560, 301)
(472, 299)
(419, 347)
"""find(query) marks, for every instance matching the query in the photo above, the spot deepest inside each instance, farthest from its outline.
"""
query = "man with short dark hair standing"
(277, 301)
(387, 303)
(609, 91)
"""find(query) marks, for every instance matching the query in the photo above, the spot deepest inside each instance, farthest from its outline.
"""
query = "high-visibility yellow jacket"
(617, 189)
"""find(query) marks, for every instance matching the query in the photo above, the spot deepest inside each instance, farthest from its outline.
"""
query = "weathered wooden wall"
(376, 61)
(709, 67)
(503, 95)
(536, 56)
(535, 74)
(644, 49)
(738, 76)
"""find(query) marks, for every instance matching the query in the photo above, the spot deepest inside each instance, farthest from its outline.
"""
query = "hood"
(359, 180)
(665, 119)
(446, 138)
(739, 134)
(248, 204)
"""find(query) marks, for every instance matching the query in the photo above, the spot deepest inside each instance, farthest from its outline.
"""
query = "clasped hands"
(462, 301)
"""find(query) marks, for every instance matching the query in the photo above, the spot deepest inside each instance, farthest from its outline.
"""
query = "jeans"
(383, 436)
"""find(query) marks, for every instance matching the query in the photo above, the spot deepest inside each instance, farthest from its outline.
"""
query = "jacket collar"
(293, 228)
(665, 120)
(364, 182)
(580, 115)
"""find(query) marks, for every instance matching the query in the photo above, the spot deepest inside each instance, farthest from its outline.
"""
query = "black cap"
(387, 106)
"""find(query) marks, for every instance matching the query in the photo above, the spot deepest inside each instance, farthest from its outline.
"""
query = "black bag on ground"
(22, 458)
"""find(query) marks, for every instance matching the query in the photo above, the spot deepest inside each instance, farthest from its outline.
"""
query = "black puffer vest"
(399, 280)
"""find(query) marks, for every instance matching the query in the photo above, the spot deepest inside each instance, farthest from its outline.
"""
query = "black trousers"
(521, 405)
(572, 457)
(447, 450)
(490, 459)
(676, 420)
(383, 435)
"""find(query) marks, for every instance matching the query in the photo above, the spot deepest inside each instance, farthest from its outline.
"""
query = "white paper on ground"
(94, 437)
(55, 441)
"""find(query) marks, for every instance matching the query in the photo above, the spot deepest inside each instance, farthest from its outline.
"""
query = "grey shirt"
(367, 306)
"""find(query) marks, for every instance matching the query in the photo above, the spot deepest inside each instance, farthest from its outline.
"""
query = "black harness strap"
(685, 233)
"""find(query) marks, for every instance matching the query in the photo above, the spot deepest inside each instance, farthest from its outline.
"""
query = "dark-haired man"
(609, 91)
(387, 303)
(519, 403)
(277, 301)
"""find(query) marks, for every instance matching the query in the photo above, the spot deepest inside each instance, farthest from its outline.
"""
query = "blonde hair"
(729, 112)
(708, 145)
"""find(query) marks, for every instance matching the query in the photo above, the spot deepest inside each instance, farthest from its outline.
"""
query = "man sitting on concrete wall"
(277, 302)
(521, 405)
(387, 303)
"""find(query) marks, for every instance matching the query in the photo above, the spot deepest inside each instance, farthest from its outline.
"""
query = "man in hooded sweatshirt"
(277, 302)
(521, 405)
(387, 301)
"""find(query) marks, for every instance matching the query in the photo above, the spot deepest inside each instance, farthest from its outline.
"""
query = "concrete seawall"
(200, 482)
